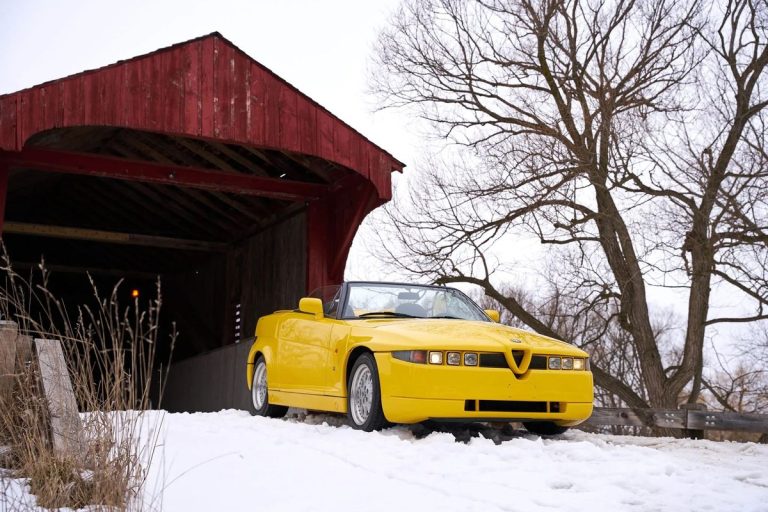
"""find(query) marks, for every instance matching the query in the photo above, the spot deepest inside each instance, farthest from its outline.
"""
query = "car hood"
(449, 334)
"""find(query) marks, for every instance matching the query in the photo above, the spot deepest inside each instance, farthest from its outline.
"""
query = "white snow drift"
(232, 461)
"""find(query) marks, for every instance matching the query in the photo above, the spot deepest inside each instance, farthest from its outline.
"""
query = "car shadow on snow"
(462, 432)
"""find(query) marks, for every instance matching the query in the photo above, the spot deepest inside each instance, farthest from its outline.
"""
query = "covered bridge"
(198, 164)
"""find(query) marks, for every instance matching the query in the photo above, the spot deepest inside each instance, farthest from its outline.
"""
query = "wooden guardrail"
(694, 418)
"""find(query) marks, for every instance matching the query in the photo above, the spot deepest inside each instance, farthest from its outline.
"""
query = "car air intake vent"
(538, 363)
(493, 361)
(518, 355)
(511, 406)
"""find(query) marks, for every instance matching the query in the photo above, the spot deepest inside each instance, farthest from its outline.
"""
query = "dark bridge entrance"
(197, 164)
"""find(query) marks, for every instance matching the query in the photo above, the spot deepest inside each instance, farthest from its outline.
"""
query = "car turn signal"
(411, 356)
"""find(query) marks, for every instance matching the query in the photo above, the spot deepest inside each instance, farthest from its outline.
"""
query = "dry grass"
(110, 352)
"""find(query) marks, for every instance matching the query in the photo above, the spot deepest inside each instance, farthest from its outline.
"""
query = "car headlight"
(555, 363)
(454, 358)
(470, 359)
(567, 363)
(578, 364)
(435, 358)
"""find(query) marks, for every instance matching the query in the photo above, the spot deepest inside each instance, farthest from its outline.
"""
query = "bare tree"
(628, 131)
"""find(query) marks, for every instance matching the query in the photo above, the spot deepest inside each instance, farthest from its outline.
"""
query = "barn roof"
(205, 89)
(187, 150)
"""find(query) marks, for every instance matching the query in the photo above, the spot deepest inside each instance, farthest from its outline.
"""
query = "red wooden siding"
(202, 88)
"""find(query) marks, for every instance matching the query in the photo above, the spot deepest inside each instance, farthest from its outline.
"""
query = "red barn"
(198, 164)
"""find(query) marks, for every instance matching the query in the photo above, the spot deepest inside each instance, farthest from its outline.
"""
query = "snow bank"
(232, 461)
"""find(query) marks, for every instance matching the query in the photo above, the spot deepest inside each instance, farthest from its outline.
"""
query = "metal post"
(693, 433)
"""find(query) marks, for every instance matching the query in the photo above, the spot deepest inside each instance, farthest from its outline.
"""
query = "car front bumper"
(411, 393)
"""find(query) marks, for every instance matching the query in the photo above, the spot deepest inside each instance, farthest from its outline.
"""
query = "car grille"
(504, 406)
(499, 361)
(493, 361)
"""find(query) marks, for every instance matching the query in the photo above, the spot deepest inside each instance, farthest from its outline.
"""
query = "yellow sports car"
(401, 353)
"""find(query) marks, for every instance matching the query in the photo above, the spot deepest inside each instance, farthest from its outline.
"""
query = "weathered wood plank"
(670, 418)
(684, 418)
(709, 420)
(608, 416)
(112, 237)
(23, 352)
(8, 334)
(6, 453)
(66, 427)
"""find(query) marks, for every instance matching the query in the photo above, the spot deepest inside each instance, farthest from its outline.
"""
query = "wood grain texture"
(66, 427)
(709, 420)
(206, 88)
(684, 418)
(8, 335)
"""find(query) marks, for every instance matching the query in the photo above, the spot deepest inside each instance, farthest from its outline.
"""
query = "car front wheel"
(364, 395)
(260, 405)
(544, 428)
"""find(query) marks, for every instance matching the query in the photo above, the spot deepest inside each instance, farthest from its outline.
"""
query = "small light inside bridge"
(135, 293)
(282, 175)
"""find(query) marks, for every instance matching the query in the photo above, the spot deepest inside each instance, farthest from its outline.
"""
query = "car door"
(303, 353)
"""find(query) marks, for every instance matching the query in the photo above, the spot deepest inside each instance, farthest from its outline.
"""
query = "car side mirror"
(311, 305)
(493, 315)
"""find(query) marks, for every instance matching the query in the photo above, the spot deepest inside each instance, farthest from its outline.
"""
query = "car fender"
(258, 347)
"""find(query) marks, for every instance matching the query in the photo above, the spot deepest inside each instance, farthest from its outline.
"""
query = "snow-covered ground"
(230, 461)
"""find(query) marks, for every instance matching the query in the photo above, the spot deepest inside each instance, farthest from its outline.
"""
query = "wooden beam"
(8, 333)
(112, 237)
(365, 204)
(684, 418)
(670, 418)
(131, 170)
(247, 210)
(4, 171)
(269, 221)
(280, 168)
(173, 196)
(237, 157)
(73, 269)
(209, 157)
(742, 422)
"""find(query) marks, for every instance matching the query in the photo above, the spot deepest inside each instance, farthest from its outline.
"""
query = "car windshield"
(330, 296)
(370, 300)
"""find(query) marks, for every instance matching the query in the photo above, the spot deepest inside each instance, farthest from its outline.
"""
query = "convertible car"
(400, 353)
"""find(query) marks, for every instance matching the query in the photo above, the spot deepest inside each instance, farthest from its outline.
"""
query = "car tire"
(544, 428)
(364, 410)
(260, 405)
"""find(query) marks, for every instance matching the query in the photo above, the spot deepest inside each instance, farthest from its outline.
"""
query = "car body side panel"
(339, 351)
(313, 402)
(303, 355)
(266, 344)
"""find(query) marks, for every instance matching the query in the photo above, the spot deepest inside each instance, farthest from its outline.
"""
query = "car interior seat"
(411, 309)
